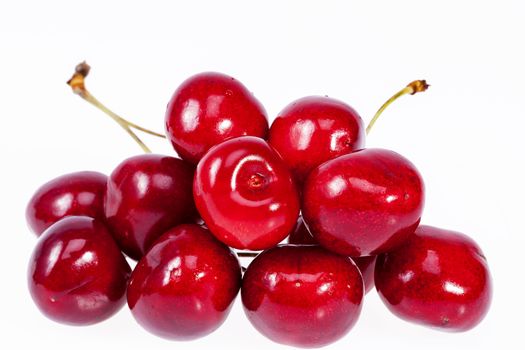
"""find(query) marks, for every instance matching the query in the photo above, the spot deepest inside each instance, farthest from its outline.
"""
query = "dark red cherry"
(245, 194)
(77, 274)
(363, 203)
(147, 195)
(314, 129)
(209, 108)
(184, 287)
(304, 296)
(437, 278)
(79, 193)
(366, 264)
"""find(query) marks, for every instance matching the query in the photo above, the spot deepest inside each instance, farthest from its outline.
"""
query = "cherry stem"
(412, 88)
(77, 84)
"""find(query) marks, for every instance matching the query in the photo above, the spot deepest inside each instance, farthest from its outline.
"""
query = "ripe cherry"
(314, 129)
(245, 194)
(77, 274)
(363, 203)
(438, 278)
(147, 195)
(209, 108)
(80, 193)
(184, 287)
(366, 264)
(303, 296)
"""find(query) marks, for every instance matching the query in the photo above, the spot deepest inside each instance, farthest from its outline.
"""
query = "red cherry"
(300, 234)
(147, 195)
(77, 274)
(209, 108)
(438, 278)
(184, 287)
(366, 264)
(363, 203)
(314, 129)
(303, 296)
(79, 193)
(245, 194)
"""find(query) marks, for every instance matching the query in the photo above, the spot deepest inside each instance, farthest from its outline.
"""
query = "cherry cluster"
(349, 217)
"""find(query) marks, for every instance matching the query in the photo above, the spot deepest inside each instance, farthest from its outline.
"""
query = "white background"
(465, 134)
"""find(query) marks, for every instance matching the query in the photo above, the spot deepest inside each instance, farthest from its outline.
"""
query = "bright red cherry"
(80, 193)
(209, 108)
(304, 296)
(77, 274)
(438, 278)
(184, 287)
(147, 195)
(245, 194)
(314, 129)
(363, 203)
(366, 264)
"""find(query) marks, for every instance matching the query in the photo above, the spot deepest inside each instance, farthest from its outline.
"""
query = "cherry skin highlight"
(363, 203)
(304, 296)
(245, 194)
(145, 196)
(184, 287)
(209, 108)
(79, 193)
(366, 264)
(314, 129)
(437, 278)
(77, 274)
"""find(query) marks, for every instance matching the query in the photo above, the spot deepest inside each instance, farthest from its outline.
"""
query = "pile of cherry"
(351, 215)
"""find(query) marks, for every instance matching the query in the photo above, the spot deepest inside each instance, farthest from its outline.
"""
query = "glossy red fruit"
(147, 195)
(77, 274)
(437, 278)
(245, 194)
(79, 193)
(184, 287)
(363, 203)
(314, 129)
(304, 296)
(209, 108)
(366, 264)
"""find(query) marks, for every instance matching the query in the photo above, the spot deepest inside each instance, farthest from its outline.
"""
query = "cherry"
(79, 193)
(366, 264)
(363, 203)
(300, 234)
(314, 129)
(145, 196)
(209, 108)
(438, 278)
(77, 274)
(245, 194)
(184, 287)
(304, 296)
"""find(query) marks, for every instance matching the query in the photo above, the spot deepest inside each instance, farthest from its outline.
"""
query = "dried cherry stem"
(77, 84)
(412, 88)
